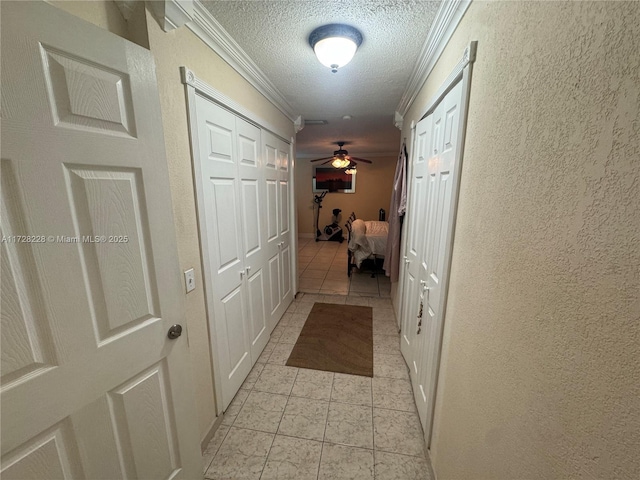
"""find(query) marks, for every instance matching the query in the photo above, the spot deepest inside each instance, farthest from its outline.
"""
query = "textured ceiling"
(274, 34)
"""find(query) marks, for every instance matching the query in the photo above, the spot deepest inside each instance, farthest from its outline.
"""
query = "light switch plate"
(190, 280)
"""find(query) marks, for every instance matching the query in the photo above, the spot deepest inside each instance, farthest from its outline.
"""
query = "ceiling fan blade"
(320, 159)
(361, 160)
(328, 161)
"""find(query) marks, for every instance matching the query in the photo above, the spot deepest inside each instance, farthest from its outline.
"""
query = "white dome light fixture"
(335, 44)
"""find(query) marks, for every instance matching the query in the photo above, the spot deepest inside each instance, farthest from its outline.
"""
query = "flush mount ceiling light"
(335, 44)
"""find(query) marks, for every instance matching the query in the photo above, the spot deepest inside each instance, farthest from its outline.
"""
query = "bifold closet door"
(430, 228)
(231, 224)
(284, 186)
(278, 232)
(414, 247)
(441, 166)
(252, 192)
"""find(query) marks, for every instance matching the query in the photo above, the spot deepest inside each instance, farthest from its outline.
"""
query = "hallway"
(322, 268)
(293, 423)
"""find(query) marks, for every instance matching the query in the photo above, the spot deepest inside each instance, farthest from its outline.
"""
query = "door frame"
(195, 86)
(461, 72)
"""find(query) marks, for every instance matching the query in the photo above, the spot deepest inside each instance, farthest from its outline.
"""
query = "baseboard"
(432, 473)
(306, 235)
(211, 432)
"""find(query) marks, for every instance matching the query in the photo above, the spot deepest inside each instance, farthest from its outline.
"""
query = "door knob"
(175, 331)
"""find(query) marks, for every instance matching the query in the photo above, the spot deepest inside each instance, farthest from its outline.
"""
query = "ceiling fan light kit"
(335, 44)
(342, 160)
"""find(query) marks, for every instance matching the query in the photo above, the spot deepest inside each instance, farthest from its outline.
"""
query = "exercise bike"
(333, 232)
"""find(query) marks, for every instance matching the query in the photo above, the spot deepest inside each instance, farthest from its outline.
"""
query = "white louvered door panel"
(91, 385)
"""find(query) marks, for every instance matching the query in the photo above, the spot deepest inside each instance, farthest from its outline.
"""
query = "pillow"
(358, 240)
(359, 228)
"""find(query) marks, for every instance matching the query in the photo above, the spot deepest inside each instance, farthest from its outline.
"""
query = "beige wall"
(104, 14)
(373, 192)
(541, 361)
(172, 50)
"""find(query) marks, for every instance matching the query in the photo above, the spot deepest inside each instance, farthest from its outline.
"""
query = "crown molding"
(170, 14)
(398, 120)
(468, 57)
(126, 7)
(209, 30)
(189, 78)
(445, 23)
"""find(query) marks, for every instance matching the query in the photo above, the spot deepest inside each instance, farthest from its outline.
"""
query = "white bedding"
(368, 238)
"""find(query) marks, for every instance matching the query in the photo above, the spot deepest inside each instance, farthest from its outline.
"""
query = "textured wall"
(172, 50)
(104, 14)
(540, 373)
(373, 192)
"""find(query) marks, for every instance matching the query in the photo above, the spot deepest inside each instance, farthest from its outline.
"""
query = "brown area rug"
(336, 338)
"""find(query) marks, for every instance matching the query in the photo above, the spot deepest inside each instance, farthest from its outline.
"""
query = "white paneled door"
(92, 387)
(284, 165)
(441, 199)
(428, 247)
(252, 192)
(231, 224)
(278, 243)
(414, 245)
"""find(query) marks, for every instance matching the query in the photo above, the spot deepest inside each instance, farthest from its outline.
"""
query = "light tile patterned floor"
(295, 423)
(322, 268)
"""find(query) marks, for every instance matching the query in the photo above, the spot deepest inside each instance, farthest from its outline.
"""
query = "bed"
(367, 241)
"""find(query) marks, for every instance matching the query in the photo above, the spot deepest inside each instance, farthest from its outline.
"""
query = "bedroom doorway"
(322, 269)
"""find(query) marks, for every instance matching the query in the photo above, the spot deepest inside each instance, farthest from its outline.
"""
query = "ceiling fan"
(341, 159)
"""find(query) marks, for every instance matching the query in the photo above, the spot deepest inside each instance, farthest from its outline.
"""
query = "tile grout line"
(217, 449)
(373, 426)
(324, 442)
(268, 453)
